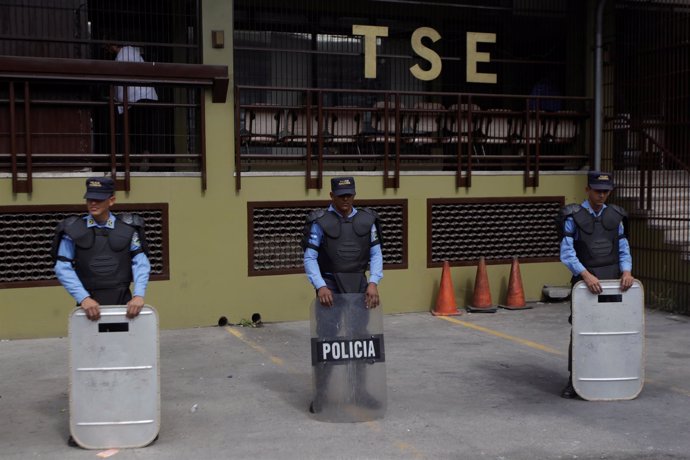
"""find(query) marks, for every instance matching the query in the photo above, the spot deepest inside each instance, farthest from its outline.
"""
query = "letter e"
(473, 57)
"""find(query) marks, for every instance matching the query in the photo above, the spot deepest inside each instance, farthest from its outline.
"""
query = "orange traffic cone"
(481, 299)
(515, 299)
(445, 303)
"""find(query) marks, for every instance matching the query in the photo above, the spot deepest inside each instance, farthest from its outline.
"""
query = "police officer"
(100, 254)
(594, 244)
(339, 244)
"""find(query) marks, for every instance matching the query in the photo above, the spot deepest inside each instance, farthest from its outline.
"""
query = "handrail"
(24, 156)
(32, 68)
(646, 169)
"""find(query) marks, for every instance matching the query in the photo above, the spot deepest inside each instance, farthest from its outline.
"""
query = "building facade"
(466, 127)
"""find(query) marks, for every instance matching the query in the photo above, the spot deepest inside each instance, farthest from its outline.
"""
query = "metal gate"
(646, 142)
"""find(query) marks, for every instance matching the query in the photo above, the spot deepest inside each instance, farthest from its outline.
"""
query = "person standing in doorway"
(142, 117)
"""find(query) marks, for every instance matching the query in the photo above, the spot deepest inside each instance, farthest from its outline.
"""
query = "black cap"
(599, 180)
(99, 188)
(343, 186)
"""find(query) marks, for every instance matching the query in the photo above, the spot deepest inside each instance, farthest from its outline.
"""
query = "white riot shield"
(114, 378)
(348, 360)
(608, 341)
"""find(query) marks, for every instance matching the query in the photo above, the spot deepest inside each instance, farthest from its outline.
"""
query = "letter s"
(426, 53)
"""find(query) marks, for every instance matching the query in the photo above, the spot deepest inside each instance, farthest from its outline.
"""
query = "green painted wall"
(208, 248)
(208, 234)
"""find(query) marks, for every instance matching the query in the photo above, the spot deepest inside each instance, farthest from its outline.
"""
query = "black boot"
(362, 397)
(569, 391)
(321, 377)
(315, 406)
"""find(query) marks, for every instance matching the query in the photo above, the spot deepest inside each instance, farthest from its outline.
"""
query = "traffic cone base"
(508, 307)
(452, 313)
(446, 313)
(445, 303)
(490, 309)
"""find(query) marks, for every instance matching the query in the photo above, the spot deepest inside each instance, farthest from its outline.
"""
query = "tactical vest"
(597, 245)
(102, 258)
(346, 242)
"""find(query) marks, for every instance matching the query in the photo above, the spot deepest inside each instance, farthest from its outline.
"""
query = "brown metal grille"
(168, 30)
(275, 233)
(26, 235)
(499, 229)
(646, 142)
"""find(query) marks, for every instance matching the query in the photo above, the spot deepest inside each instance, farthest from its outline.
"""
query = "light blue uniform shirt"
(568, 256)
(141, 267)
(311, 264)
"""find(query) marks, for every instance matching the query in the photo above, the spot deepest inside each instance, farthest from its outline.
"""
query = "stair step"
(657, 195)
(669, 207)
(667, 224)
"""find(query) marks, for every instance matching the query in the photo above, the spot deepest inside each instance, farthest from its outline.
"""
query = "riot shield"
(348, 360)
(114, 378)
(608, 341)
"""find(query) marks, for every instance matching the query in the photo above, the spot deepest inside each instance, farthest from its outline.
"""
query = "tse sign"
(371, 33)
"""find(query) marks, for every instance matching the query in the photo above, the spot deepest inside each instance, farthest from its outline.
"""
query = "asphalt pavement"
(476, 386)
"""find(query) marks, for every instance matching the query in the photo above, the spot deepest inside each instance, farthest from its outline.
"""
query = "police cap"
(99, 188)
(599, 180)
(343, 186)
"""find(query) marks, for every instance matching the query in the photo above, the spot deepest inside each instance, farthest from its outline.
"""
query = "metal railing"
(654, 185)
(62, 115)
(317, 130)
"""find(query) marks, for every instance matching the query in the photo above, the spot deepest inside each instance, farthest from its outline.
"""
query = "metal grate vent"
(26, 237)
(463, 231)
(276, 233)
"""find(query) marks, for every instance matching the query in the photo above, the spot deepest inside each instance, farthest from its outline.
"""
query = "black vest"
(597, 244)
(346, 242)
(102, 258)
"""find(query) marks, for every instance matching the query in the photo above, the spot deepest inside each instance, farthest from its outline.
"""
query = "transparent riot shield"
(114, 378)
(608, 341)
(348, 360)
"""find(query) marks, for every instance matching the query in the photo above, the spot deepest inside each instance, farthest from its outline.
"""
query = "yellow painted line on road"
(682, 391)
(372, 425)
(547, 349)
(674, 389)
(486, 330)
(255, 346)
(405, 447)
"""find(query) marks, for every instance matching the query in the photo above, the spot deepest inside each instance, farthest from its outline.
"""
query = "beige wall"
(208, 235)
